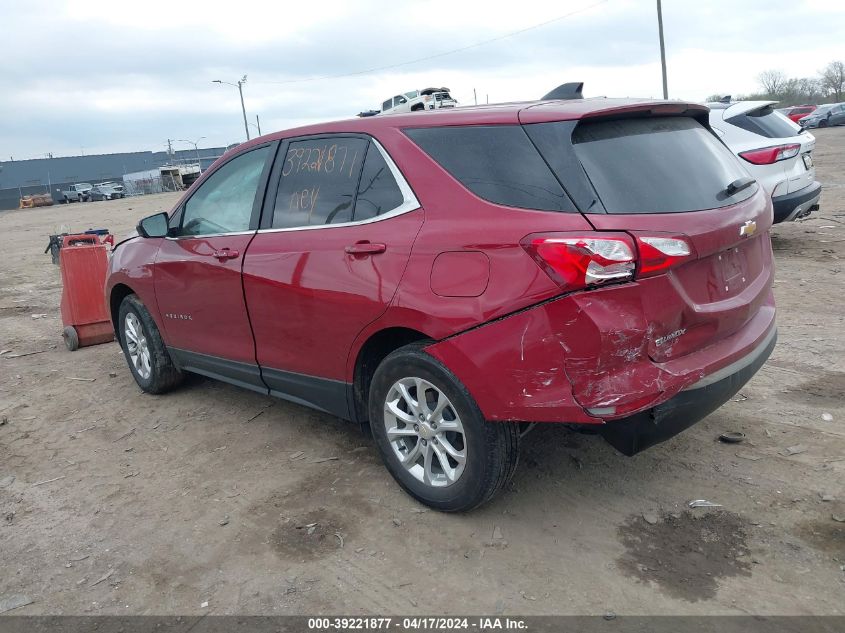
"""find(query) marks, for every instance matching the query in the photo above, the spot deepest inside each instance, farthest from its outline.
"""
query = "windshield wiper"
(739, 184)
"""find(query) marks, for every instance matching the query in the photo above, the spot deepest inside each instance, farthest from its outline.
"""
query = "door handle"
(365, 248)
(225, 253)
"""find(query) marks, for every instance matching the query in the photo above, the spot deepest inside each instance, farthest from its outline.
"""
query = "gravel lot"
(113, 501)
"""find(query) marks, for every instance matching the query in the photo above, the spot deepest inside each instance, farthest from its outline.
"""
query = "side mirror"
(153, 226)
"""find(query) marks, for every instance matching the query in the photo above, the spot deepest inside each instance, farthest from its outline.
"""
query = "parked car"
(428, 99)
(776, 152)
(825, 116)
(118, 187)
(797, 112)
(104, 192)
(454, 278)
(77, 193)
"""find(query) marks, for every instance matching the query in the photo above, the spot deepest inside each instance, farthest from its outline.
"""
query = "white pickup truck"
(428, 99)
(77, 193)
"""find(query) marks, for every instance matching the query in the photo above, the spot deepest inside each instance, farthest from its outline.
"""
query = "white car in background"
(428, 99)
(776, 152)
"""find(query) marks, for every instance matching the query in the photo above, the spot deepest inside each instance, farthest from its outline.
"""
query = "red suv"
(453, 276)
(799, 112)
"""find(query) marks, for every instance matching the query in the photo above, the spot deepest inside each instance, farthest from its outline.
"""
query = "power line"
(444, 53)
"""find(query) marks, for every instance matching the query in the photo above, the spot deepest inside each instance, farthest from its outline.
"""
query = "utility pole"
(169, 150)
(243, 107)
(258, 124)
(662, 49)
(474, 97)
(240, 87)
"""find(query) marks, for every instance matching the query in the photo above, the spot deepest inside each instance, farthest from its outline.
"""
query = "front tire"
(145, 352)
(432, 435)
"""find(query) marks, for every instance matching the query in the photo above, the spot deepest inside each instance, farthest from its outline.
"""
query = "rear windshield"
(764, 121)
(657, 165)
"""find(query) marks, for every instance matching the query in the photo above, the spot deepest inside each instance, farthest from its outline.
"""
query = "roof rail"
(571, 90)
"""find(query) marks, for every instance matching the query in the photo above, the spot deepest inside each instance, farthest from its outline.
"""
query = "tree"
(833, 79)
(773, 82)
(810, 89)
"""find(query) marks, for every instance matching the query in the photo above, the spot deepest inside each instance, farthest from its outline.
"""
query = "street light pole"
(662, 49)
(239, 85)
(196, 149)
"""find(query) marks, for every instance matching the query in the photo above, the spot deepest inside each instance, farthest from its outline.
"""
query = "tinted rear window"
(657, 165)
(764, 121)
(496, 162)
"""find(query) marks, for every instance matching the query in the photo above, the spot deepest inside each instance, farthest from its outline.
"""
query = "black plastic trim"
(322, 394)
(237, 373)
(784, 205)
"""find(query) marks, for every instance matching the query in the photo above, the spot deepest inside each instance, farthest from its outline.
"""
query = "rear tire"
(145, 352)
(454, 459)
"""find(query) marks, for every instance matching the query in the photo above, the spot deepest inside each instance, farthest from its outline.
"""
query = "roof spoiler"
(571, 90)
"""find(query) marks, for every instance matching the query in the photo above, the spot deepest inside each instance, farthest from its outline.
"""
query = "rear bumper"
(796, 204)
(583, 359)
(640, 431)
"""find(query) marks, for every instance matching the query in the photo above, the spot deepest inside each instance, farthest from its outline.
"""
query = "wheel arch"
(116, 296)
(374, 350)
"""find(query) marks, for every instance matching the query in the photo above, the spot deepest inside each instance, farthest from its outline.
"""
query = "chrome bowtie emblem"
(748, 229)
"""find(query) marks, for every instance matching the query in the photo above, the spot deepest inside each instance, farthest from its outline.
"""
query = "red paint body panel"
(716, 293)
(201, 299)
(132, 265)
(308, 299)
(549, 363)
(460, 274)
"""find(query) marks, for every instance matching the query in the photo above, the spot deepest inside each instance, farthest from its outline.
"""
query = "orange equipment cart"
(83, 263)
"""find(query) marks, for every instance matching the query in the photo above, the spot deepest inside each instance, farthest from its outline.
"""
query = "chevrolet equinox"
(451, 277)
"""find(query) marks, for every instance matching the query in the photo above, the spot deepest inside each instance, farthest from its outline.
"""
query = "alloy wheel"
(425, 432)
(137, 346)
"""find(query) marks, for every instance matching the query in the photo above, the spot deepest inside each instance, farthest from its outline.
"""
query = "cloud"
(114, 76)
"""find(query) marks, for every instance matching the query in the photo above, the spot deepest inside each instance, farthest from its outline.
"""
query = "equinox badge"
(748, 229)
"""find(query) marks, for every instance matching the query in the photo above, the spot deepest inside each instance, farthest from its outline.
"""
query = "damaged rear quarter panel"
(550, 362)
(514, 367)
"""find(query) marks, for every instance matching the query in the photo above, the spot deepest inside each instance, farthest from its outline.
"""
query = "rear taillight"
(769, 155)
(578, 261)
(660, 253)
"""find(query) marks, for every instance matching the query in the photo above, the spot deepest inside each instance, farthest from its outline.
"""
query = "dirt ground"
(113, 501)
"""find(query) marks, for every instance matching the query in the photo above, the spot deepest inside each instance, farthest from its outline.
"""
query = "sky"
(100, 76)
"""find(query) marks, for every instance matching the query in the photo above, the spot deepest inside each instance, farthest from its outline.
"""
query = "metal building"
(51, 175)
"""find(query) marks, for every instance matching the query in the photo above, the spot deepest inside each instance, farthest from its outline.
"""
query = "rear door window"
(657, 165)
(764, 121)
(495, 162)
(378, 192)
(319, 178)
